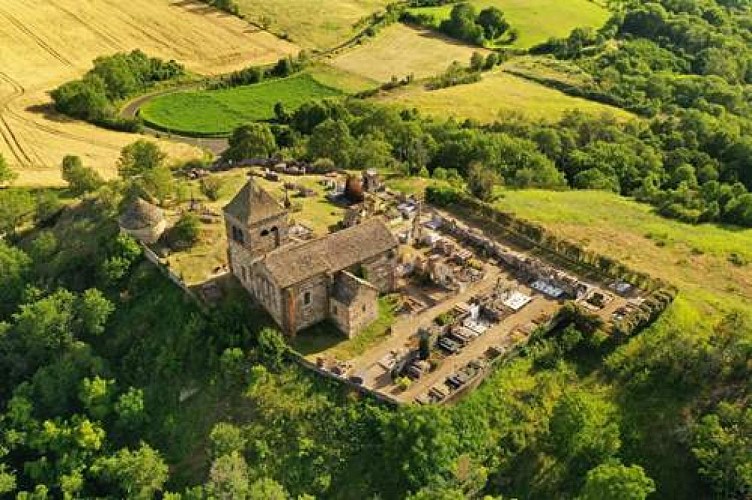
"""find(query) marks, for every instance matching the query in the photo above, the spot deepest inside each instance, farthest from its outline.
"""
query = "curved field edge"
(328, 24)
(216, 113)
(399, 51)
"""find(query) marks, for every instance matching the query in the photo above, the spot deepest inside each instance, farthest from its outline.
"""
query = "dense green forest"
(688, 65)
(684, 66)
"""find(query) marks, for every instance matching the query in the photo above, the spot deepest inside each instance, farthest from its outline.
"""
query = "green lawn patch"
(536, 20)
(219, 112)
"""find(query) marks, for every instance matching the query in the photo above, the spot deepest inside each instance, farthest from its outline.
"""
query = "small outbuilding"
(143, 221)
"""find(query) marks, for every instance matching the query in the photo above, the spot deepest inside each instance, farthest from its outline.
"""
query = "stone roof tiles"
(335, 252)
(140, 214)
(252, 204)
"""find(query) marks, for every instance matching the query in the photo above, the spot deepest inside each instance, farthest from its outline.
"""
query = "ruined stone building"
(337, 277)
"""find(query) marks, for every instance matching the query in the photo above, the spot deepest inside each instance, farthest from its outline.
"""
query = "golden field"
(313, 24)
(399, 50)
(55, 41)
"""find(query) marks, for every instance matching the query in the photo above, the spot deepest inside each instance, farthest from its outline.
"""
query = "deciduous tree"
(139, 158)
(614, 481)
(254, 140)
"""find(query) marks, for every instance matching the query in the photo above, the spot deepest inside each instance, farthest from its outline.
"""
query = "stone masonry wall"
(300, 315)
(380, 271)
(363, 311)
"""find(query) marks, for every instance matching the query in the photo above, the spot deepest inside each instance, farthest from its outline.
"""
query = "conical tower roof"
(252, 204)
(140, 214)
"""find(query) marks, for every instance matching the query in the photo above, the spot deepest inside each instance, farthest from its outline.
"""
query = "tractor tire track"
(102, 34)
(125, 18)
(43, 127)
(38, 40)
(6, 131)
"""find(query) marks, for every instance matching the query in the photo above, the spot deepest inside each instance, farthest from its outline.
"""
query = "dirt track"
(215, 145)
(55, 41)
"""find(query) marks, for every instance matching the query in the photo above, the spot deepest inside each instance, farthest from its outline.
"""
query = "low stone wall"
(384, 398)
(164, 269)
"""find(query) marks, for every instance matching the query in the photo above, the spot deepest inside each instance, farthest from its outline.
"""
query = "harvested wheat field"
(400, 50)
(55, 41)
(314, 24)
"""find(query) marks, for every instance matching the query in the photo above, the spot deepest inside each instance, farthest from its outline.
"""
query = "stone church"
(337, 277)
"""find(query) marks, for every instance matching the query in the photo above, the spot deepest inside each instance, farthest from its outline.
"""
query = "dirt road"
(215, 145)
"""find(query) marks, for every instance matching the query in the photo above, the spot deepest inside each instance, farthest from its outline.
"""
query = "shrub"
(210, 187)
(186, 231)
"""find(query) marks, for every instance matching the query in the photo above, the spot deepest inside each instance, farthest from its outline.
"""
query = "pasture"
(536, 20)
(314, 25)
(330, 76)
(497, 94)
(219, 112)
(52, 42)
(399, 50)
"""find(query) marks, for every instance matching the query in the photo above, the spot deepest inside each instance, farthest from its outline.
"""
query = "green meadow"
(219, 112)
(536, 20)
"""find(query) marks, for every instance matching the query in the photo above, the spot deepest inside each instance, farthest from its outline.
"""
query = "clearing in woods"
(536, 20)
(55, 41)
(322, 24)
(219, 112)
(399, 50)
(496, 94)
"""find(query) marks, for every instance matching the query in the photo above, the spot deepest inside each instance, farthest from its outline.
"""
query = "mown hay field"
(497, 94)
(219, 112)
(399, 50)
(536, 20)
(320, 24)
(47, 43)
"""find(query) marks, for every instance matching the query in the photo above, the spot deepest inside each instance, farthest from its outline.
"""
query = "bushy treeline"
(356, 134)
(228, 6)
(687, 64)
(465, 22)
(113, 78)
(284, 67)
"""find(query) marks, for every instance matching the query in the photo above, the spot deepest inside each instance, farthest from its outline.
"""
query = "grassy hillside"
(316, 25)
(339, 79)
(536, 20)
(645, 377)
(218, 112)
(400, 50)
(700, 260)
(497, 92)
